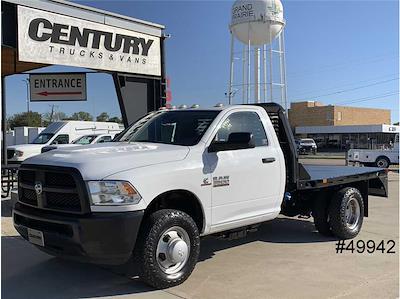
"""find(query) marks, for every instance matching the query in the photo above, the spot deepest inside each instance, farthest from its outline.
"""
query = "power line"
(343, 85)
(364, 99)
(354, 88)
(341, 65)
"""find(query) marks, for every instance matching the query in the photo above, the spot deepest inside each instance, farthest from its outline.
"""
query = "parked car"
(306, 145)
(61, 132)
(178, 175)
(382, 158)
(83, 140)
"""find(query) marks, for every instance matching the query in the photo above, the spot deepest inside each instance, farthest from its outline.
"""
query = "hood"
(100, 160)
(63, 145)
(26, 147)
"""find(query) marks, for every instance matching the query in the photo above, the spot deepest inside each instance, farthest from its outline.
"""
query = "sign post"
(58, 87)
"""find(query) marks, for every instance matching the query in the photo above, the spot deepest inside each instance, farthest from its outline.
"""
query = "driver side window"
(243, 122)
(61, 139)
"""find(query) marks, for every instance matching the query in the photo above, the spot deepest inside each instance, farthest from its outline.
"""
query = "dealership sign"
(58, 87)
(50, 38)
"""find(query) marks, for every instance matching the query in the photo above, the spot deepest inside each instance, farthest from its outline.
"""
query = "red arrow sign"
(47, 93)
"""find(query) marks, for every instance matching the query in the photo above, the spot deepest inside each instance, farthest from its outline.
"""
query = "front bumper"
(100, 238)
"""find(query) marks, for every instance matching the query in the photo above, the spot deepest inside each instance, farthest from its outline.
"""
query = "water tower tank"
(257, 21)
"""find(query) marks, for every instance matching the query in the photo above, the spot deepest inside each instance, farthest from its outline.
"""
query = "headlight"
(113, 193)
(19, 153)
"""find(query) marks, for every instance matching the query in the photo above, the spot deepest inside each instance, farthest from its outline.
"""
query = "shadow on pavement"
(280, 230)
(29, 273)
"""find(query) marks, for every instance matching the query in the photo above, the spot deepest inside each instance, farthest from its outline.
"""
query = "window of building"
(339, 115)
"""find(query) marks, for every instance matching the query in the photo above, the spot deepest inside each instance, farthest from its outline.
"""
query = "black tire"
(321, 216)
(382, 162)
(152, 230)
(337, 213)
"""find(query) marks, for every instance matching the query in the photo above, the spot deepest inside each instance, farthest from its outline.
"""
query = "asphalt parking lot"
(286, 258)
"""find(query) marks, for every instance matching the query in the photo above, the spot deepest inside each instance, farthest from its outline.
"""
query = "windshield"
(85, 139)
(42, 138)
(307, 141)
(170, 127)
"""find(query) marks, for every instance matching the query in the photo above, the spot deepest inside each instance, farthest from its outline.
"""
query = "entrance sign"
(58, 87)
(51, 38)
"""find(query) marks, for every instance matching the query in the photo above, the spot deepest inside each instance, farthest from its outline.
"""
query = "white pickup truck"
(175, 176)
(380, 158)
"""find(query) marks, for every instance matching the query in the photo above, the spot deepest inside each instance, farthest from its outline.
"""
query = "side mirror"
(235, 141)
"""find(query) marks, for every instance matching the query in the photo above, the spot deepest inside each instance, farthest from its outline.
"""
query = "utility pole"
(27, 100)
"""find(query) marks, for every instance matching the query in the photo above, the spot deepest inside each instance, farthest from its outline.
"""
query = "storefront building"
(342, 138)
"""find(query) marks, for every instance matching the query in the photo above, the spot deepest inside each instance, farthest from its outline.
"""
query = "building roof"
(348, 129)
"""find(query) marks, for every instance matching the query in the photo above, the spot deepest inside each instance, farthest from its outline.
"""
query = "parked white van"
(61, 132)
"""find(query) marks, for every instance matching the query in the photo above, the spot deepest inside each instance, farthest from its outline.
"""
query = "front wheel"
(346, 213)
(167, 249)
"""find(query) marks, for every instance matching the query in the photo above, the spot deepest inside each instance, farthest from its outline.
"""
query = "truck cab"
(175, 176)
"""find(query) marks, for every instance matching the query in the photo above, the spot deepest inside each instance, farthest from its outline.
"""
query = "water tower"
(258, 25)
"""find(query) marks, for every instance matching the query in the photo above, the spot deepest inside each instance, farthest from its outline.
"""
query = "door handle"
(268, 160)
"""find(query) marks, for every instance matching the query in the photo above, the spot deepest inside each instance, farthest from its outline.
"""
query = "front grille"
(10, 153)
(29, 197)
(61, 189)
(27, 177)
(63, 201)
(53, 179)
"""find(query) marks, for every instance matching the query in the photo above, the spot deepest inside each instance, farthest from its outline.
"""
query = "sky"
(337, 52)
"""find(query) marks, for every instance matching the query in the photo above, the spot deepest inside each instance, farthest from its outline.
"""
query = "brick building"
(340, 128)
(313, 113)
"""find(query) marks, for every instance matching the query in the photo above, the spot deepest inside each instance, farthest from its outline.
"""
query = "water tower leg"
(257, 74)
(244, 74)
(270, 74)
(231, 72)
(248, 72)
(284, 69)
(281, 66)
(264, 59)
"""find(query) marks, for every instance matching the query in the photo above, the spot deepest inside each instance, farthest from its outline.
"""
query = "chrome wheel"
(173, 250)
(352, 213)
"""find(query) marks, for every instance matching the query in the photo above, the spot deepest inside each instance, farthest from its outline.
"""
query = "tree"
(25, 119)
(81, 115)
(115, 119)
(103, 117)
(396, 124)
(50, 117)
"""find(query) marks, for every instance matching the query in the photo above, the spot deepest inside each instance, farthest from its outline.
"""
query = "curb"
(322, 157)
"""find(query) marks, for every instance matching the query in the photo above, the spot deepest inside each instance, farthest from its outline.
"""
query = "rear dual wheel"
(343, 216)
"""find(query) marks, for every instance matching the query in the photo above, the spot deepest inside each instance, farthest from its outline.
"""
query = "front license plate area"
(35, 237)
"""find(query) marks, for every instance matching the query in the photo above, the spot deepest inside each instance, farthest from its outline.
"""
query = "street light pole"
(27, 100)
(27, 94)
